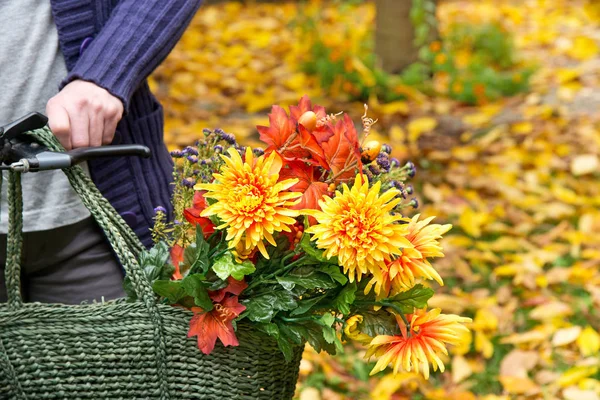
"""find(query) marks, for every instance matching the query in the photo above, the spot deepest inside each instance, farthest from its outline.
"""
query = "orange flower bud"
(308, 120)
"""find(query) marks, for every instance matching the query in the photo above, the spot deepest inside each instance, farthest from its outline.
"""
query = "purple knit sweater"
(116, 44)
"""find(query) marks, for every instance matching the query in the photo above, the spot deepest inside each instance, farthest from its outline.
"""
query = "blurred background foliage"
(498, 108)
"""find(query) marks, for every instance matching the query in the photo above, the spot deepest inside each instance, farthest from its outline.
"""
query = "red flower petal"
(176, 259)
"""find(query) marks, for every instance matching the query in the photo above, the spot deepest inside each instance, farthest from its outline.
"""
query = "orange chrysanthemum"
(415, 349)
(356, 226)
(250, 201)
(400, 274)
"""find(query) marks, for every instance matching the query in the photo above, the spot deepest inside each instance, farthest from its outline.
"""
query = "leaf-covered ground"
(519, 179)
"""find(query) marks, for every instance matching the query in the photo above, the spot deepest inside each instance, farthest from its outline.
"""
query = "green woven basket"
(119, 350)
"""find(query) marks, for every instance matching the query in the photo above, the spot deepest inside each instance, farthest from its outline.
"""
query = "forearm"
(134, 41)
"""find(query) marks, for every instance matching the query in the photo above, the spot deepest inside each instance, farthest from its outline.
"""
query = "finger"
(59, 123)
(80, 126)
(112, 118)
(96, 126)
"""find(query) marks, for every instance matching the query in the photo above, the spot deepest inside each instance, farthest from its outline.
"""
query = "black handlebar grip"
(87, 153)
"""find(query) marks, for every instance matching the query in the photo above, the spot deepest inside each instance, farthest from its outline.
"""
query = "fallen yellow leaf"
(573, 393)
(394, 108)
(576, 374)
(522, 127)
(391, 383)
(514, 385)
(584, 164)
(565, 336)
(419, 126)
(550, 310)
(588, 342)
(310, 393)
(517, 363)
(583, 48)
(472, 221)
(533, 336)
(461, 369)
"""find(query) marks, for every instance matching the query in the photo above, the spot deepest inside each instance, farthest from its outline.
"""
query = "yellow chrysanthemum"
(356, 226)
(250, 201)
(415, 349)
(351, 330)
(401, 273)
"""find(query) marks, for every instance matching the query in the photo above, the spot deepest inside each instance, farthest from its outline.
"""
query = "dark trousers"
(69, 265)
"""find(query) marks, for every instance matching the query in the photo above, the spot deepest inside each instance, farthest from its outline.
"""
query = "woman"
(99, 54)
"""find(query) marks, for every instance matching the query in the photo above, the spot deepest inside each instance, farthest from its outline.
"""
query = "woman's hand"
(84, 115)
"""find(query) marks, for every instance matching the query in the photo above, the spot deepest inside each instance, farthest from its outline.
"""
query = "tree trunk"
(394, 35)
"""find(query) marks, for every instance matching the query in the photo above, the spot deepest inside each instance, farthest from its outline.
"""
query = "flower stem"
(342, 171)
(282, 269)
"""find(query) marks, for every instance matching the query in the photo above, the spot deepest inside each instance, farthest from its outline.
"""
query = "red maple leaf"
(323, 133)
(215, 324)
(192, 214)
(305, 105)
(308, 184)
(280, 128)
(309, 143)
(352, 137)
(342, 150)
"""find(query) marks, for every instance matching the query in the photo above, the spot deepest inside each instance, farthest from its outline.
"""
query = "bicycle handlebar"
(47, 160)
(20, 153)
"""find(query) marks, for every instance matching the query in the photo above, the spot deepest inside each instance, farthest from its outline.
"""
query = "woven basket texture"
(120, 350)
(108, 352)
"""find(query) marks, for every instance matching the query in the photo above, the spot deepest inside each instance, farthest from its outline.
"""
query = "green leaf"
(378, 323)
(306, 277)
(226, 266)
(202, 261)
(346, 297)
(291, 331)
(307, 246)
(334, 272)
(314, 336)
(172, 290)
(286, 348)
(194, 286)
(329, 332)
(155, 265)
(217, 285)
(327, 319)
(270, 329)
(262, 308)
(306, 305)
(154, 262)
(195, 254)
(407, 301)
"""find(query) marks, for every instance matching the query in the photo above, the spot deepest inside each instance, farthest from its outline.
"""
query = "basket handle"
(123, 240)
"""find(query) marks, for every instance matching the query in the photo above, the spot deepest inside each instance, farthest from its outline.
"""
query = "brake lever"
(29, 122)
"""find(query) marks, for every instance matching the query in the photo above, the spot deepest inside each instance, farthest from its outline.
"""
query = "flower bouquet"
(304, 241)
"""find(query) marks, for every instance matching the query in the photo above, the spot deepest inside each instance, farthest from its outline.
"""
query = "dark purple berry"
(414, 202)
(383, 161)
